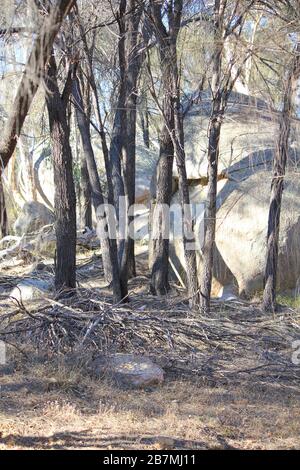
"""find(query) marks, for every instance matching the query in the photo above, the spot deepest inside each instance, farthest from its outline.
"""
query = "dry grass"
(59, 407)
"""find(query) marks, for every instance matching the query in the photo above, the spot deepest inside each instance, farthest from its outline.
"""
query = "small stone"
(30, 289)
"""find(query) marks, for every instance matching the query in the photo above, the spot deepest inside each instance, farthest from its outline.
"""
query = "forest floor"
(243, 393)
(180, 414)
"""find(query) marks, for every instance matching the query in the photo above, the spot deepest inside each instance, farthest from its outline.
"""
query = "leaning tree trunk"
(64, 196)
(29, 84)
(187, 221)
(108, 245)
(281, 155)
(91, 167)
(93, 175)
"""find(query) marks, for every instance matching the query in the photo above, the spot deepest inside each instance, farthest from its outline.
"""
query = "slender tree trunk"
(133, 69)
(218, 98)
(177, 135)
(117, 147)
(119, 281)
(159, 249)
(64, 197)
(144, 119)
(86, 192)
(45, 153)
(159, 242)
(85, 186)
(92, 172)
(3, 213)
(108, 246)
(210, 213)
(145, 128)
(281, 155)
(188, 230)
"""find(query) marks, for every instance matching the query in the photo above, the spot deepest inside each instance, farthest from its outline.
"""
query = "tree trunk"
(3, 213)
(92, 172)
(116, 149)
(219, 95)
(133, 69)
(86, 192)
(108, 246)
(187, 221)
(177, 135)
(29, 84)
(210, 213)
(119, 285)
(159, 237)
(144, 118)
(277, 186)
(44, 154)
(82, 184)
(64, 197)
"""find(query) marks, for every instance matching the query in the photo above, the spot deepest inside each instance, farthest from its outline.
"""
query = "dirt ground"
(52, 405)
(69, 411)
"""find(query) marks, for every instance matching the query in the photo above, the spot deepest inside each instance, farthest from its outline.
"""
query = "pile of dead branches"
(236, 340)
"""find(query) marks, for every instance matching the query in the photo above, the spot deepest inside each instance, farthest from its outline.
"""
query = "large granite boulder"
(242, 222)
(248, 127)
(241, 230)
(34, 215)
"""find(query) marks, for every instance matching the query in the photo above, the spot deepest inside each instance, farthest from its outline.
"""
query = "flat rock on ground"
(129, 370)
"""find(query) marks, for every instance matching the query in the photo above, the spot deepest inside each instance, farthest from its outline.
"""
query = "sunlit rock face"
(242, 230)
(248, 140)
(248, 126)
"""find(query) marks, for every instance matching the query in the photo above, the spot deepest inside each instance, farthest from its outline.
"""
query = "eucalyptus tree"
(33, 72)
(228, 21)
(64, 196)
(171, 140)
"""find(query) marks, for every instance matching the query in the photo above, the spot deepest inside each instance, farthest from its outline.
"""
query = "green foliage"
(292, 301)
